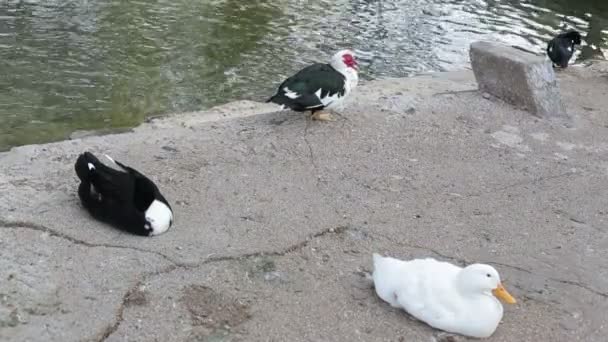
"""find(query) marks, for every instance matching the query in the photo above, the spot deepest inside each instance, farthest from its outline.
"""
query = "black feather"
(114, 196)
(561, 48)
(305, 83)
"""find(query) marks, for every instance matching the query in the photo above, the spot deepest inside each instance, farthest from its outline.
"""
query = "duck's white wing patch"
(91, 166)
(551, 49)
(110, 158)
(291, 94)
(329, 99)
(120, 167)
(570, 48)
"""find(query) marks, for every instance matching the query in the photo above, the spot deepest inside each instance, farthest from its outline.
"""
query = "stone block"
(517, 77)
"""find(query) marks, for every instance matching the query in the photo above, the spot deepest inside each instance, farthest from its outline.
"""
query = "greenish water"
(68, 65)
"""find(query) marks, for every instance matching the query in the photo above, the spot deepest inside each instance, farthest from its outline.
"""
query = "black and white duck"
(561, 48)
(124, 198)
(319, 86)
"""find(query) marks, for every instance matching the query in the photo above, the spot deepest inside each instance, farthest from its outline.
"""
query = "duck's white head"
(345, 63)
(344, 60)
(480, 279)
(159, 217)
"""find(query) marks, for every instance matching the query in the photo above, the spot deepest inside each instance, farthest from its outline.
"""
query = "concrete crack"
(518, 184)
(521, 269)
(107, 332)
(52, 232)
(455, 92)
(557, 280)
(310, 151)
(311, 156)
(119, 318)
(282, 252)
(581, 285)
(411, 245)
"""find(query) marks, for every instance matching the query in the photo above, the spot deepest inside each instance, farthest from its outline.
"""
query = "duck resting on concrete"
(445, 296)
(124, 198)
(319, 86)
(561, 48)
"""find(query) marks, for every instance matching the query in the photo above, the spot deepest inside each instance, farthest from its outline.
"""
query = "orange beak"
(501, 293)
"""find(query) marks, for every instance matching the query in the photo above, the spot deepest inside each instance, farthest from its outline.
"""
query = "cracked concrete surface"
(277, 217)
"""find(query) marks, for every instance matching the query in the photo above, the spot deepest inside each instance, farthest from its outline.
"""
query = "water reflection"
(86, 64)
(91, 64)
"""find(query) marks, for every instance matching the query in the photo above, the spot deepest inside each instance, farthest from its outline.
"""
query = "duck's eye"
(489, 275)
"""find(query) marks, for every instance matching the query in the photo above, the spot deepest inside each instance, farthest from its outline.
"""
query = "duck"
(319, 86)
(122, 196)
(561, 48)
(445, 296)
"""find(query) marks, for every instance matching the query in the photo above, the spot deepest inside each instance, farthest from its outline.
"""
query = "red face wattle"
(350, 61)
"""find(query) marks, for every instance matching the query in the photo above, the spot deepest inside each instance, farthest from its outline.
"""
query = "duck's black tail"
(278, 99)
(299, 104)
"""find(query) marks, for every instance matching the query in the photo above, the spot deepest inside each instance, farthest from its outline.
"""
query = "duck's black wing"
(109, 186)
(298, 91)
(108, 194)
(560, 50)
(145, 191)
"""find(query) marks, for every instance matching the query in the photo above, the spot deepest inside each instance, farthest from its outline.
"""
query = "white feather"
(159, 216)
(330, 100)
(351, 80)
(438, 294)
(291, 94)
(91, 166)
(110, 158)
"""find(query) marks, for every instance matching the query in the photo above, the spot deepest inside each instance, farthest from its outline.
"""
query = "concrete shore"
(276, 218)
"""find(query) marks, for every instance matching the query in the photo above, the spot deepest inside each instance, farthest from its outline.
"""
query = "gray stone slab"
(517, 77)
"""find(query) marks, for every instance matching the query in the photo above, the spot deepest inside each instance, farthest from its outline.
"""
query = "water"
(67, 65)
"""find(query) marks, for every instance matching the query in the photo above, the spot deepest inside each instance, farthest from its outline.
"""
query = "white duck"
(445, 296)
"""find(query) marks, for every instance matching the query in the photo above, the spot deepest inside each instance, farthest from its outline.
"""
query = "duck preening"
(125, 198)
(561, 48)
(319, 86)
(445, 296)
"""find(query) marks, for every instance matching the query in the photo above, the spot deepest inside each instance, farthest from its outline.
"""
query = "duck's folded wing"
(424, 307)
(113, 184)
(144, 189)
(551, 46)
(432, 297)
(311, 84)
(138, 176)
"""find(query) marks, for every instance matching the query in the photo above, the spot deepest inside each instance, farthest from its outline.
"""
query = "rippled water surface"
(67, 65)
